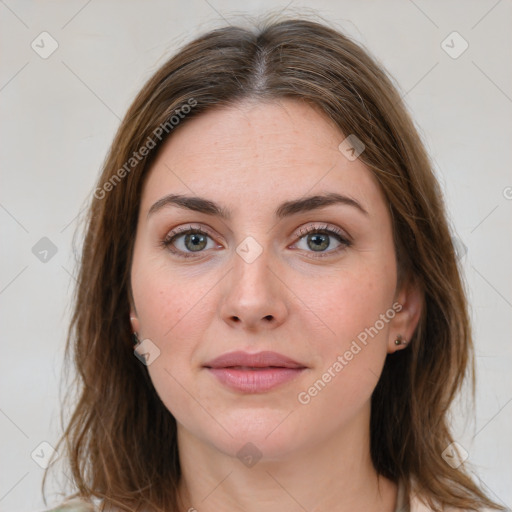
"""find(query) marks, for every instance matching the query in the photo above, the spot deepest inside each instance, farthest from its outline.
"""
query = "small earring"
(400, 341)
(136, 340)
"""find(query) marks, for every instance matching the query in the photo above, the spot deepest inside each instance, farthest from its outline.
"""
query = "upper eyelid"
(326, 227)
(186, 228)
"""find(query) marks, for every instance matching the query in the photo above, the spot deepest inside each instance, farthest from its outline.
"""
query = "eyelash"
(173, 235)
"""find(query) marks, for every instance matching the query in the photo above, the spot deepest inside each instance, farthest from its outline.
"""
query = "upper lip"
(259, 360)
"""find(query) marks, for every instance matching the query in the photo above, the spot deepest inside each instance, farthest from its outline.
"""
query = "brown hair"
(121, 440)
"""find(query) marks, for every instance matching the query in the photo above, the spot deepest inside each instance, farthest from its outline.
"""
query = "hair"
(120, 441)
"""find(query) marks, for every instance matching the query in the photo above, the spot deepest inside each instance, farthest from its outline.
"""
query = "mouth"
(255, 368)
(254, 373)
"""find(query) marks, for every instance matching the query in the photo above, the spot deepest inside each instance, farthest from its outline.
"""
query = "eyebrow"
(286, 209)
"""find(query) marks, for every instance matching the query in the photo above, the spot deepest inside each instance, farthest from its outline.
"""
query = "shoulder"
(418, 505)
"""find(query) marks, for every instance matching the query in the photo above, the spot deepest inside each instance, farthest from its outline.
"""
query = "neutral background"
(60, 113)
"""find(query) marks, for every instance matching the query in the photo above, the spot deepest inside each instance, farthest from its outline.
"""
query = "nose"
(254, 297)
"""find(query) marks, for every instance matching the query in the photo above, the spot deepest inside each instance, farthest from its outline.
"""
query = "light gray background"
(59, 116)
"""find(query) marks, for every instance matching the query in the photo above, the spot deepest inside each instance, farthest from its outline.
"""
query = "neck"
(337, 475)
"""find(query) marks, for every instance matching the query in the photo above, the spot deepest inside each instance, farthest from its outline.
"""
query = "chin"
(256, 433)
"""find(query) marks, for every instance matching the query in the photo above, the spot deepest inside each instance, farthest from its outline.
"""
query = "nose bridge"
(254, 293)
(251, 272)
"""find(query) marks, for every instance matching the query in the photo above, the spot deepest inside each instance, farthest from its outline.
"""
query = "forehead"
(258, 150)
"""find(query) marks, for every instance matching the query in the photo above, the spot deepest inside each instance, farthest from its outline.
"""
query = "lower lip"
(255, 381)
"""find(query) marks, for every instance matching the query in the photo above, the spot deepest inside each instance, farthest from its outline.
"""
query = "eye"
(318, 239)
(190, 242)
(184, 242)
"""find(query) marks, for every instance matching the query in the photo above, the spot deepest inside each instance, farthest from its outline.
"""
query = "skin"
(250, 158)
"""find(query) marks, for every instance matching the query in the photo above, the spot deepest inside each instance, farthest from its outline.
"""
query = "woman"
(269, 232)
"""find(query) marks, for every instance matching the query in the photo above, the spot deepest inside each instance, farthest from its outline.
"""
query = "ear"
(134, 320)
(408, 305)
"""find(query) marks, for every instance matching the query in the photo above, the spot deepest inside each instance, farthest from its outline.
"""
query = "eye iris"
(319, 241)
(198, 241)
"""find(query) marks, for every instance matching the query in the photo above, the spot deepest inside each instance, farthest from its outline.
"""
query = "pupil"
(198, 241)
(319, 241)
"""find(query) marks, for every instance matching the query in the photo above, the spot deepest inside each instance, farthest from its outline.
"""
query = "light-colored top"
(402, 503)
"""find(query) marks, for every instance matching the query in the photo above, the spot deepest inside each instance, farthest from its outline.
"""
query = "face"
(311, 281)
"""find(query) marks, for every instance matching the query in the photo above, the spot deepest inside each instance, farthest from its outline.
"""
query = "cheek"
(172, 313)
(174, 310)
(167, 302)
(352, 301)
(357, 308)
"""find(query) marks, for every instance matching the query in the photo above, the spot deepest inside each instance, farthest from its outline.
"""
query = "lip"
(257, 360)
(254, 373)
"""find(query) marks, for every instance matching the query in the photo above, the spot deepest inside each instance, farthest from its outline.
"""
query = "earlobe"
(134, 321)
(399, 343)
(404, 323)
(399, 340)
(133, 313)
